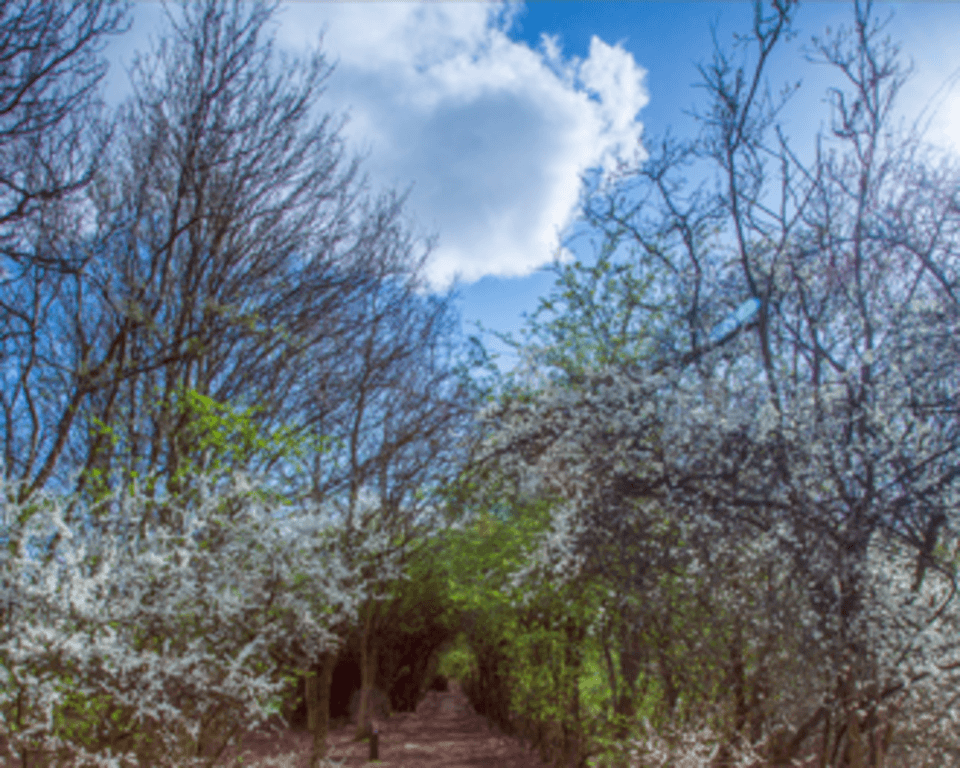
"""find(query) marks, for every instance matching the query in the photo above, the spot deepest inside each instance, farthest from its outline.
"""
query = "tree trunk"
(572, 732)
(368, 673)
(317, 698)
(630, 657)
(855, 746)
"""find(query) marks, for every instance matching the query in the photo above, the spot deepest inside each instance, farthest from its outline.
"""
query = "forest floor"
(444, 732)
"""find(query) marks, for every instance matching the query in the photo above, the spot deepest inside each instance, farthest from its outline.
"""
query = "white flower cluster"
(804, 522)
(690, 747)
(175, 639)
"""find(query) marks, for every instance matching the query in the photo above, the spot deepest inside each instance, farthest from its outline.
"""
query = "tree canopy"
(793, 472)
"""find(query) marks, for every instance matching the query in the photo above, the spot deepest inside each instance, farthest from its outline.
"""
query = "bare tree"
(48, 102)
(51, 137)
(233, 239)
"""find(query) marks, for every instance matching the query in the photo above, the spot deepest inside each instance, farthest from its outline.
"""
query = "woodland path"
(444, 732)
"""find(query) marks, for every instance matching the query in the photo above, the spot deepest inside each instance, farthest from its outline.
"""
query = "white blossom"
(171, 628)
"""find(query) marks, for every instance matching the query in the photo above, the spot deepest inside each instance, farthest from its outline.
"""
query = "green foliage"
(556, 677)
(546, 658)
(209, 438)
(459, 661)
(598, 314)
(480, 559)
(221, 437)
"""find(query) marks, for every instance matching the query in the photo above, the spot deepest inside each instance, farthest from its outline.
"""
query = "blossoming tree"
(771, 497)
(175, 642)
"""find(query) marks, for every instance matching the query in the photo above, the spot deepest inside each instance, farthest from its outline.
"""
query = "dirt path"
(444, 732)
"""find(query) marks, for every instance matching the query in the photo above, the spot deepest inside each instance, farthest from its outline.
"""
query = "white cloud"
(493, 135)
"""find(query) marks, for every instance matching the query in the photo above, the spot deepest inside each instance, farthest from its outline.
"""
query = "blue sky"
(491, 112)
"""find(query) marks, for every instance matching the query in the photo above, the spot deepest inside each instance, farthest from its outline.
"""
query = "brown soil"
(444, 732)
